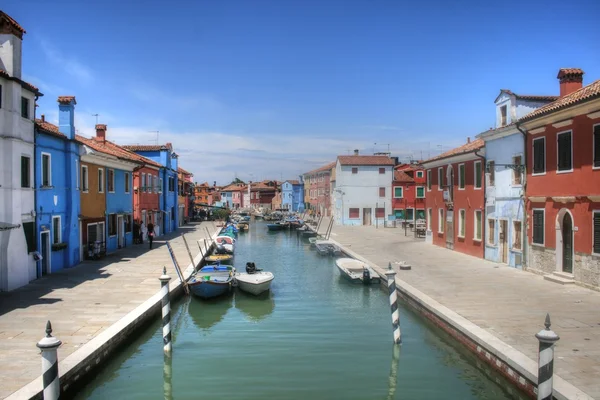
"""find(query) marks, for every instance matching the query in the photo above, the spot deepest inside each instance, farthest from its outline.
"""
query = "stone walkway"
(83, 301)
(508, 303)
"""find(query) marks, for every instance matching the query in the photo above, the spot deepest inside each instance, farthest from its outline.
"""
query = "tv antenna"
(96, 115)
(156, 136)
(388, 145)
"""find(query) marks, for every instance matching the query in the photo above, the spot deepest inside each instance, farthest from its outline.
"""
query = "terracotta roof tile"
(24, 84)
(147, 147)
(114, 149)
(401, 176)
(66, 99)
(366, 160)
(465, 148)
(49, 128)
(321, 169)
(5, 18)
(586, 93)
(233, 187)
(183, 171)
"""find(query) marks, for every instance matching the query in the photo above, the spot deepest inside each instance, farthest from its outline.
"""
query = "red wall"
(583, 181)
(144, 200)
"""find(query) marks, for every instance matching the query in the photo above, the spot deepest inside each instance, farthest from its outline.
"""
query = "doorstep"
(562, 278)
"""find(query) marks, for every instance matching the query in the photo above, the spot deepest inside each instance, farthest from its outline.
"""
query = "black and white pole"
(547, 339)
(49, 346)
(391, 281)
(166, 310)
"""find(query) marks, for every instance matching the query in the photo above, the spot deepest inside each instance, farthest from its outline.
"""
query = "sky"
(259, 89)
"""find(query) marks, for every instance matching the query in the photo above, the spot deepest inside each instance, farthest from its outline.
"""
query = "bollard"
(547, 339)
(49, 346)
(391, 281)
(166, 310)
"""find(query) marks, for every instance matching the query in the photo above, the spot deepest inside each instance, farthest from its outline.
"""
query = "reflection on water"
(207, 313)
(168, 377)
(255, 308)
(393, 381)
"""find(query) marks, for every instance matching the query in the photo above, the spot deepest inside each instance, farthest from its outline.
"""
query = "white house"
(363, 187)
(17, 200)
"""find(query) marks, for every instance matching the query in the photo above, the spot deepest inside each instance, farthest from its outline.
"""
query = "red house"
(317, 189)
(563, 183)
(455, 198)
(147, 189)
(262, 194)
(408, 192)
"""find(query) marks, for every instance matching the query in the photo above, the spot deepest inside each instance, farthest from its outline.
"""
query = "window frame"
(503, 116)
(112, 225)
(417, 192)
(28, 175)
(462, 223)
(491, 241)
(476, 168)
(441, 224)
(514, 234)
(533, 173)
(462, 177)
(109, 172)
(440, 173)
(514, 171)
(85, 184)
(594, 212)
(57, 235)
(42, 155)
(100, 181)
(25, 110)
(127, 183)
(419, 174)
(380, 190)
(402, 190)
(475, 212)
(354, 170)
(381, 170)
(595, 157)
(543, 211)
(558, 134)
(350, 212)
(429, 176)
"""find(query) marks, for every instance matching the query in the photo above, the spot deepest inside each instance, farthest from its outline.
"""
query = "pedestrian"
(150, 233)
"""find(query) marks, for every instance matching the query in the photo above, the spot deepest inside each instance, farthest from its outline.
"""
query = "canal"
(314, 336)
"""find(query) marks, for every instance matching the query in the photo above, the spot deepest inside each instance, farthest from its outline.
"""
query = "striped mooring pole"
(49, 346)
(391, 281)
(166, 310)
(547, 339)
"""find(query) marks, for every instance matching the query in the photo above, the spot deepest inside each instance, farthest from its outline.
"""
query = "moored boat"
(212, 281)
(223, 258)
(276, 226)
(254, 281)
(243, 227)
(225, 239)
(325, 247)
(357, 271)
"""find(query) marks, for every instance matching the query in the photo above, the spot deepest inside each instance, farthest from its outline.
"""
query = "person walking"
(150, 233)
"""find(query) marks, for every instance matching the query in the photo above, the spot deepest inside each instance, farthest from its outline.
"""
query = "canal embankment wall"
(94, 353)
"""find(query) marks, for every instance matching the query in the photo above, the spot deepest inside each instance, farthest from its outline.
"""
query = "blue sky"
(270, 89)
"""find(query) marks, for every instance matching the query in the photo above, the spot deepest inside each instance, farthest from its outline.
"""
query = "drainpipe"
(35, 219)
(523, 198)
(483, 213)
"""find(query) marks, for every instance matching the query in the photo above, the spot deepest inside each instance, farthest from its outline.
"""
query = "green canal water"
(314, 336)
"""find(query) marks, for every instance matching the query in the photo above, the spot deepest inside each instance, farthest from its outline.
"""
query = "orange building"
(201, 192)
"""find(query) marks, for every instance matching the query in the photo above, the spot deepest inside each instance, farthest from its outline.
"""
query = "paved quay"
(84, 301)
(507, 303)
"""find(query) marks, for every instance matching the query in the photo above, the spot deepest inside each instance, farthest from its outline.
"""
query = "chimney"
(11, 39)
(101, 132)
(66, 116)
(355, 152)
(469, 140)
(43, 118)
(571, 79)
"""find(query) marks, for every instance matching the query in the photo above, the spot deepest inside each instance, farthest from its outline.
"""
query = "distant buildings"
(408, 192)
(317, 189)
(292, 196)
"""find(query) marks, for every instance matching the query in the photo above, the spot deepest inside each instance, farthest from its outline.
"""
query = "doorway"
(366, 216)
(502, 240)
(120, 232)
(45, 250)
(567, 247)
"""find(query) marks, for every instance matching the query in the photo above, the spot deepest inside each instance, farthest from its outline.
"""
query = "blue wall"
(292, 195)
(119, 203)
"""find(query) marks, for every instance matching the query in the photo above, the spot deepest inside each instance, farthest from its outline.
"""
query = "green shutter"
(420, 192)
(597, 233)
(461, 171)
(477, 175)
(597, 146)
(538, 227)
(399, 214)
(398, 192)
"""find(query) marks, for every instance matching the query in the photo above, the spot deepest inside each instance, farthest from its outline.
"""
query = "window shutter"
(564, 151)
(597, 146)
(597, 233)
(462, 176)
(538, 156)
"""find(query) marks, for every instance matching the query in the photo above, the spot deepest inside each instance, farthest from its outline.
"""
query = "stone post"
(547, 339)
(49, 346)
(166, 310)
(391, 281)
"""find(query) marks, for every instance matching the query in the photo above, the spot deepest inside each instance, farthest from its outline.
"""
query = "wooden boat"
(212, 281)
(243, 227)
(219, 258)
(276, 226)
(357, 271)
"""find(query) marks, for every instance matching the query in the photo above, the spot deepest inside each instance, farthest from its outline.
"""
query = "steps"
(561, 278)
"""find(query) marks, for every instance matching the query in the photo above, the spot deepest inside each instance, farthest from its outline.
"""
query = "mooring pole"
(391, 281)
(547, 339)
(166, 310)
(49, 347)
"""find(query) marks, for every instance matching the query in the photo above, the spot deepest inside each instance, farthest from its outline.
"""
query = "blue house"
(57, 201)
(292, 195)
(505, 221)
(168, 181)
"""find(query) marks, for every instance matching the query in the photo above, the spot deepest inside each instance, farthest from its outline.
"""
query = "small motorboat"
(326, 248)
(255, 281)
(212, 281)
(243, 227)
(277, 226)
(223, 258)
(223, 248)
(357, 271)
(225, 239)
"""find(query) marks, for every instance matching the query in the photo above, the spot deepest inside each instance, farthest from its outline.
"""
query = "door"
(567, 234)
(450, 229)
(503, 242)
(120, 231)
(366, 216)
(45, 245)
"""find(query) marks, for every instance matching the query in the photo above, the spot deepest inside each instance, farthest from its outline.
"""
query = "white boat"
(357, 271)
(254, 281)
(226, 239)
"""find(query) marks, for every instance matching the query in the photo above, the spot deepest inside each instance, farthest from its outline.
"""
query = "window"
(355, 170)
(112, 224)
(84, 178)
(24, 107)
(381, 192)
(127, 182)
(143, 182)
(410, 214)
(429, 180)
(154, 184)
(420, 192)
(461, 223)
(354, 213)
(420, 215)
(399, 214)
(25, 173)
(538, 226)
(440, 220)
(172, 213)
(539, 156)
(46, 170)
(419, 174)
(381, 170)
(477, 182)
(517, 236)
(491, 173)
(565, 156)
(29, 231)
(100, 180)
(56, 231)
(398, 192)
(461, 176)
(596, 145)
(491, 231)
(440, 179)
(503, 116)
(171, 184)
(517, 174)
(128, 225)
(111, 180)
(429, 216)
(596, 230)
(160, 185)
(477, 227)
(380, 212)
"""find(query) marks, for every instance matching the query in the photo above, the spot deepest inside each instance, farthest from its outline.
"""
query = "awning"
(5, 226)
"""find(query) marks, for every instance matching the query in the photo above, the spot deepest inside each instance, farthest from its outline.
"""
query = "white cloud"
(70, 65)
(150, 94)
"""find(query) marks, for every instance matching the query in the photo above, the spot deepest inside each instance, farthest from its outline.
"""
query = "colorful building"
(317, 189)
(408, 192)
(292, 195)
(455, 198)
(185, 192)
(563, 183)
(201, 193)
(262, 194)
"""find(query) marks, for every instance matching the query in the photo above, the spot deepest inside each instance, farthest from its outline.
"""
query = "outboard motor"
(366, 276)
(250, 267)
